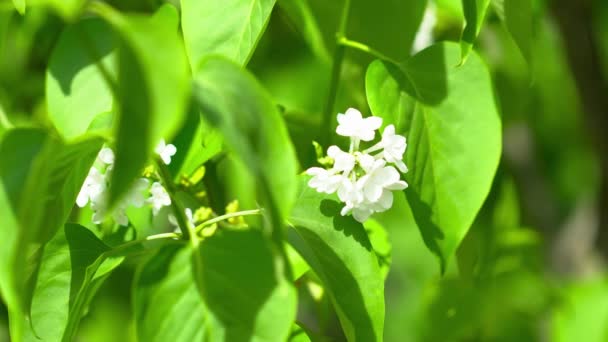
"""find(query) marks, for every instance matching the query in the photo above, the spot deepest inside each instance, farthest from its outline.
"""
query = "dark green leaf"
(450, 119)
(167, 305)
(231, 28)
(152, 94)
(518, 18)
(233, 101)
(340, 253)
(300, 14)
(61, 279)
(250, 303)
(474, 15)
(76, 91)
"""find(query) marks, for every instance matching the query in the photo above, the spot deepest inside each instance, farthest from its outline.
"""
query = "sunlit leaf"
(19, 5)
(339, 252)
(76, 91)
(450, 119)
(231, 28)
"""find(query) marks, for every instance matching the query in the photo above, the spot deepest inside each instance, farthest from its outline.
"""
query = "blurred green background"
(532, 266)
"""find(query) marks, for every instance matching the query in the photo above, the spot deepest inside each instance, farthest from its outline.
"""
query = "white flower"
(363, 182)
(352, 124)
(189, 217)
(106, 156)
(394, 146)
(324, 180)
(94, 185)
(158, 197)
(135, 196)
(343, 162)
(165, 151)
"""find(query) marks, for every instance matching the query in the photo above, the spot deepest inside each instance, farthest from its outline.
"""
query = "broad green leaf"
(167, 304)
(19, 5)
(153, 88)
(449, 117)
(340, 253)
(583, 314)
(41, 177)
(300, 14)
(233, 101)
(381, 244)
(298, 334)
(518, 17)
(474, 15)
(61, 278)
(250, 303)
(76, 91)
(231, 28)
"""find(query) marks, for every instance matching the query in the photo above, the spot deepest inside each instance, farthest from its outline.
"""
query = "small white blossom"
(352, 124)
(106, 156)
(158, 197)
(165, 151)
(94, 185)
(363, 182)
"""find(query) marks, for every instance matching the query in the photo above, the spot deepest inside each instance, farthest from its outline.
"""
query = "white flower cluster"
(364, 180)
(95, 188)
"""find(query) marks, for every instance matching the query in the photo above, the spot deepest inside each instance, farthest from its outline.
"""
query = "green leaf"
(518, 17)
(250, 303)
(68, 9)
(233, 101)
(474, 14)
(167, 304)
(41, 178)
(340, 253)
(449, 117)
(76, 92)
(61, 279)
(20, 6)
(231, 28)
(152, 94)
(583, 314)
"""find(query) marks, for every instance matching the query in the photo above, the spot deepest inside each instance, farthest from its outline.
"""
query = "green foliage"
(208, 32)
(443, 110)
(474, 15)
(341, 255)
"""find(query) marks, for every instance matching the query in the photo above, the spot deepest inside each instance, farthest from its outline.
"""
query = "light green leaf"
(474, 15)
(231, 28)
(153, 88)
(76, 92)
(167, 304)
(250, 303)
(518, 17)
(583, 314)
(233, 101)
(20, 6)
(341, 255)
(61, 279)
(68, 9)
(449, 117)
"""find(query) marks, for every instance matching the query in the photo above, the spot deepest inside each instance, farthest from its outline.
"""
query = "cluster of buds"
(364, 180)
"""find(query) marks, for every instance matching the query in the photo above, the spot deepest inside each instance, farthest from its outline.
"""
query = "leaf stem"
(184, 225)
(336, 70)
(343, 41)
(126, 245)
(226, 217)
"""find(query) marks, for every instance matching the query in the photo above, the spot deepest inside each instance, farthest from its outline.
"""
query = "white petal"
(401, 166)
(83, 197)
(400, 185)
(372, 192)
(120, 217)
(389, 131)
(361, 214)
(366, 161)
(106, 155)
(160, 147)
(353, 114)
(373, 122)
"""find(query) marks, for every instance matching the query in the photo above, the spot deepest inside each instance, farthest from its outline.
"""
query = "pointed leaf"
(474, 15)
(449, 117)
(518, 17)
(231, 28)
(339, 252)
